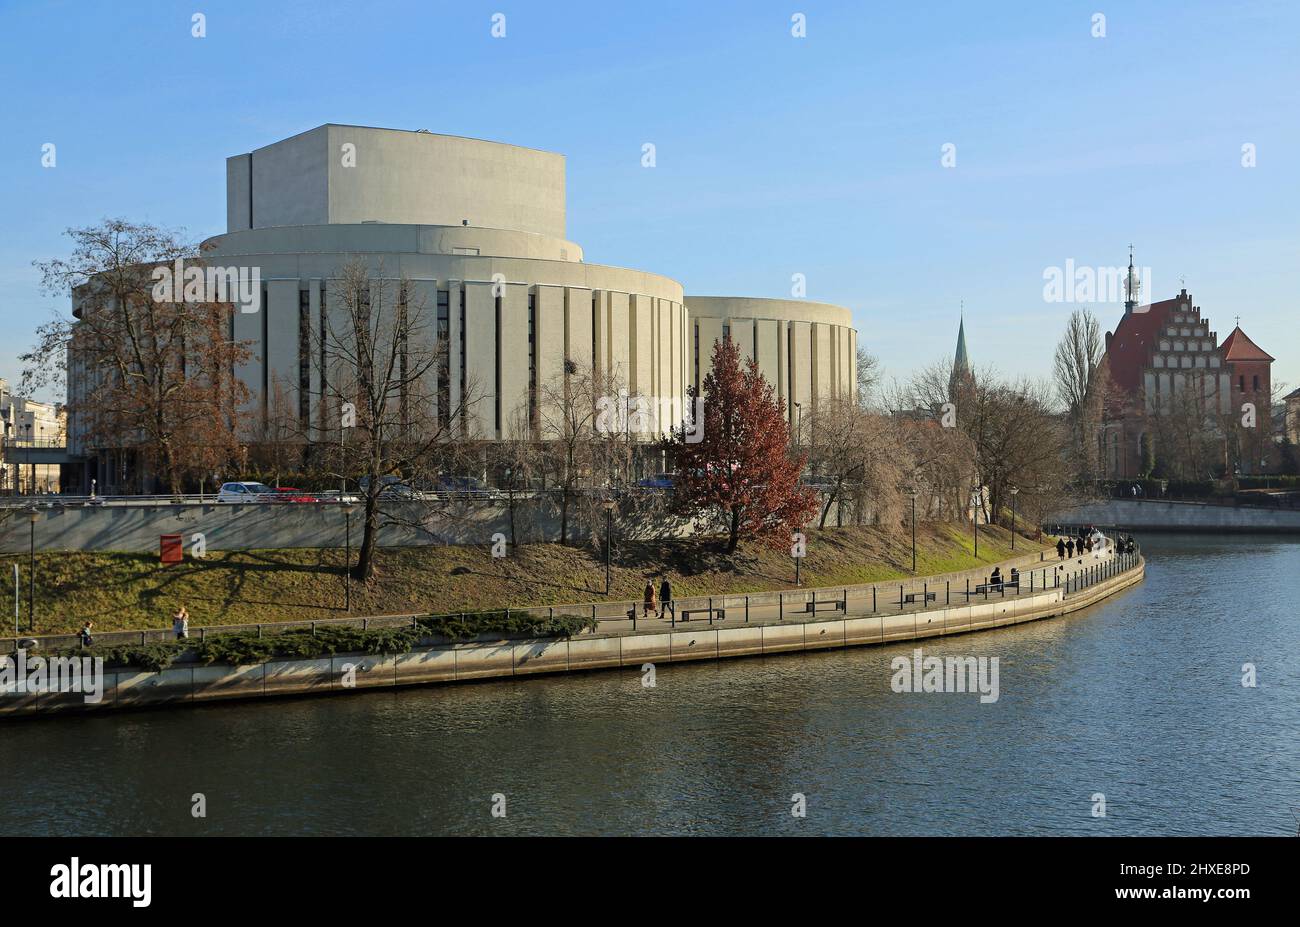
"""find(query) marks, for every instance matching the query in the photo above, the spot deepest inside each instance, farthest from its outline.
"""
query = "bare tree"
(154, 367)
(1082, 384)
(383, 354)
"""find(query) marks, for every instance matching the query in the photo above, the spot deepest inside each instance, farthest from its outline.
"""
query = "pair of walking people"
(662, 604)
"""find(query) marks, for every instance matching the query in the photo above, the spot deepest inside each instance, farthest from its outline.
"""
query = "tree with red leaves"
(740, 477)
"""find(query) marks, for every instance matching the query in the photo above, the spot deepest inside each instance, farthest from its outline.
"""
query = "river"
(1139, 699)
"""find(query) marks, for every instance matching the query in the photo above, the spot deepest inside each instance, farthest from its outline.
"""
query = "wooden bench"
(721, 613)
(835, 605)
(913, 596)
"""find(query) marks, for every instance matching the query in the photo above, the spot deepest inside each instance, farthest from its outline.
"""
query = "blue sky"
(775, 155)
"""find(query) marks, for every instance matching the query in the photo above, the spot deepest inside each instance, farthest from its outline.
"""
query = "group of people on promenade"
(1084, 544)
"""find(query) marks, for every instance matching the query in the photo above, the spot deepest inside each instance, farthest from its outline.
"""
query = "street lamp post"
(913, 492)
(609, 539)
(1013, 490)
(978, 497)
(798, 429)
(347, 557)
(33, 518)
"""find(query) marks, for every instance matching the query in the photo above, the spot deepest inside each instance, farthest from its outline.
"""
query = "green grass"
(133, 591)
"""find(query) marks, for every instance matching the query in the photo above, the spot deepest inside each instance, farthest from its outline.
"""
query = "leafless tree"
(1082, 383)
(154, 368)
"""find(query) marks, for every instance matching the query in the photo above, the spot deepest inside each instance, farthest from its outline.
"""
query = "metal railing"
(1099, 572)
(793, 605)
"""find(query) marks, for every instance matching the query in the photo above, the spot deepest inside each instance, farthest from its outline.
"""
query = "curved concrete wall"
(808, 351)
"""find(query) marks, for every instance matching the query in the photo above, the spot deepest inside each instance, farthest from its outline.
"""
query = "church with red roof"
(1156, 355)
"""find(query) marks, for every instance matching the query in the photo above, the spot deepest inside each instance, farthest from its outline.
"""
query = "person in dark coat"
(1060, 548)
(666, 598)
(1069, 548)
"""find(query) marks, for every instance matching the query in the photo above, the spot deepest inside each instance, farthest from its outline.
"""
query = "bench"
(913, 596)
(721, 613)
(835, 605)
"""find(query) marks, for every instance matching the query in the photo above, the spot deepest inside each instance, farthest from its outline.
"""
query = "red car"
(288, 494)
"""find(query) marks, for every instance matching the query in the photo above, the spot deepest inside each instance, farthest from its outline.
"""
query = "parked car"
(394, 488)
(471, 486)
(658, 481)
(245, 492)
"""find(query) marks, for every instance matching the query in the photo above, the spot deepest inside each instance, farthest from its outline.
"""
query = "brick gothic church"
(1158, 353)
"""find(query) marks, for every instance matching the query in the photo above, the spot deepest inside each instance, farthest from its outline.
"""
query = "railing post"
(710, 609)
(947, 592)
(900, 597)
(873, 600)
(746, 609)
(259, 630)
(780, 606)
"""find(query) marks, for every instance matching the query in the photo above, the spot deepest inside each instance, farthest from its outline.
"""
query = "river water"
(1138, 699)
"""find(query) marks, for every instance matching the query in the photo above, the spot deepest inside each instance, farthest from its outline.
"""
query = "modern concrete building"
(478, 229)
(34, 435)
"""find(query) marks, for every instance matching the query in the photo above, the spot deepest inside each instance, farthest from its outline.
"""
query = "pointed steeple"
(960, 361)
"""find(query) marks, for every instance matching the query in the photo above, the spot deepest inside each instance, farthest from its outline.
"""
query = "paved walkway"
(793, 604)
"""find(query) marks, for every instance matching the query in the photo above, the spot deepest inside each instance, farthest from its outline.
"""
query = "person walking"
(666, 598)
(84, 634)
(181, 623)
(1069, 548)
(1060, 548)
(650, 604)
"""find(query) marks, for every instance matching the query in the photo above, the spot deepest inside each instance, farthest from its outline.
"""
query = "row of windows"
(1188, 346)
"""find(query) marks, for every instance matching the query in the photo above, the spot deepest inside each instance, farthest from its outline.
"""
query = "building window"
(324, 328)
(726, 332)
(444, 358)
(1255, 383)
(698, 385)
(498, 375)
(533, 423)
(464, 400)
(1241, 383)
(304, 358)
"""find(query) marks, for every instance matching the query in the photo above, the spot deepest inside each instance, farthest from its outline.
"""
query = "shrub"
(245, 647)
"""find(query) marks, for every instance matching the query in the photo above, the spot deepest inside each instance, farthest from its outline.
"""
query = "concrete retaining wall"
(1155, 515)
(253, 526)
(129, 688)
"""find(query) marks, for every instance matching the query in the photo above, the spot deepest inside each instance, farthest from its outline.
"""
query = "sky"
(822, 155)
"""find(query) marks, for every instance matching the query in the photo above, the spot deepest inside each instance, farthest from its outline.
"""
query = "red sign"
(173, 551)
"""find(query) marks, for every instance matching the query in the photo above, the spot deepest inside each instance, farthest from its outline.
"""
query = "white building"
(478, 228)
(29, 428)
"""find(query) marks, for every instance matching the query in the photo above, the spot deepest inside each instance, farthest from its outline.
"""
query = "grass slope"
(132, 591)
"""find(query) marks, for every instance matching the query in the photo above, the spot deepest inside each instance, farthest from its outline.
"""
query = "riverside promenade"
(719, 627)
(1040, 569)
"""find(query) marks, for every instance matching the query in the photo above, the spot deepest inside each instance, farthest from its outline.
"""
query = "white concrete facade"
(806, 350)
(479, 227)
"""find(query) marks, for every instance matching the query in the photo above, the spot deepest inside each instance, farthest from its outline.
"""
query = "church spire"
(960, 361)
(1131, 286)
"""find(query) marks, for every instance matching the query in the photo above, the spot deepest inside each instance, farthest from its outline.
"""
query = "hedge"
(246, 647)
